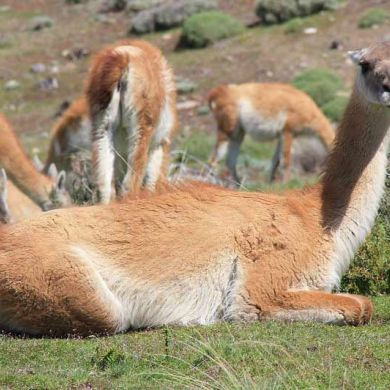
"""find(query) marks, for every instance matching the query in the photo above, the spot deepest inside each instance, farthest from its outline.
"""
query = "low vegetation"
(334, 109)
(205, 28)
(373, 17)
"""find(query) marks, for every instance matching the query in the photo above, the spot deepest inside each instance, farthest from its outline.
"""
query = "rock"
(310, 30)
(141, 5)
(336, 45)
(38, 68)
(187, 105)
(48, 84)
(75, 53)
(203, 110)
(184, 86)
(11, 85)
(40, 22)
(169, 14)
(279, 11)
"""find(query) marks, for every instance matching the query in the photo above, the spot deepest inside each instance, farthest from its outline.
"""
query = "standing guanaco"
(46, 192)
(202, 254)
(132, 101)
(265, 112)
(71, 133)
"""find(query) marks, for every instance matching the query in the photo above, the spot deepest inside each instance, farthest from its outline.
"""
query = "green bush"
(370, 270)
(321, 84)
(372, 17)
(205, 28)
(294, 25)
(335, 108)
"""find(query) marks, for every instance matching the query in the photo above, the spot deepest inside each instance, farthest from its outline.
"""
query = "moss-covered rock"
(373, 17)
(205, 28)
(321, 84)
(278, 11)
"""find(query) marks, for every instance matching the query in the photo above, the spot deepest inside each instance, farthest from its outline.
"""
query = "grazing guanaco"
(46, 192)
(132, 101)
(265, 112)
(5, 216)
(202, 254)
(70, 134)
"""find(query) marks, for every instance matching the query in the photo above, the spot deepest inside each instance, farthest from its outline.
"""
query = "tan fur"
(131, 95)
(70, 133)
(20, 169)
(280, 110)
(202, 254)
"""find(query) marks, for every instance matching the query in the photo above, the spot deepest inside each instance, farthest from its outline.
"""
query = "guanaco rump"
(71, 134)
(201, 254)
(265, 112)
(46, 192)
(132, 102)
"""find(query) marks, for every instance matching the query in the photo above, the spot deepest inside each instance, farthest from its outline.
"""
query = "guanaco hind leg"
(319, 306)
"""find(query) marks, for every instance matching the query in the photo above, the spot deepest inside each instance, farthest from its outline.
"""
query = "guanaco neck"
(352, 185)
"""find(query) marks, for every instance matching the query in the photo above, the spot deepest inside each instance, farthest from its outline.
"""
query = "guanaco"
(5, 215)
(71, 134)
(202, 254)
(264, 111)
(46, 192)
(132, 102)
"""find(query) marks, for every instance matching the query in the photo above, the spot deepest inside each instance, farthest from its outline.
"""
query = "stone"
(187, 105)
(203, 110)
(38, 23)
(11, 85)
(38, 68)
(48, 84)
(184, 85)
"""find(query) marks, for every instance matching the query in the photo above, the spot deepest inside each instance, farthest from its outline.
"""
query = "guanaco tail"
(201, 254)
(132, 101)
(265, 112)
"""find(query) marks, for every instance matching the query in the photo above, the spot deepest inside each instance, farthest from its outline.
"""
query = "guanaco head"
(59, 196)
(5, 216)
(374, 77)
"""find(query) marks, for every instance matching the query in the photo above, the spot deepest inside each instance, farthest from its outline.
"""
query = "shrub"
(205, 28)
(278, 11)
(321, 84)
(370, 270)
(294, 25)
(372, 17)
(335, 108)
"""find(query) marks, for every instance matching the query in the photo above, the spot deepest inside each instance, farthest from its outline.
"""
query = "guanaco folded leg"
(287, 145)
(320, 306)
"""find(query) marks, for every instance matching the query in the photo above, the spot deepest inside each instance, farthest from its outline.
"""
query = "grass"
(223, 356)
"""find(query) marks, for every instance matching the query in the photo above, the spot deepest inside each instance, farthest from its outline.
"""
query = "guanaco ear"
(356, 55)
(3, 182)
(38, 164)
(52, 171)
(60, 181)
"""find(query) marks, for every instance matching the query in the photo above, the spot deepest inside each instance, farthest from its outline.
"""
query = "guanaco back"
(46, 192)
(132, 101)
(264, 111)
(202, 254)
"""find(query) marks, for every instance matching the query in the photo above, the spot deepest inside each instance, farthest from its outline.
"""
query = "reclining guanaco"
(266, 112)
(131, 97)
(202, 254)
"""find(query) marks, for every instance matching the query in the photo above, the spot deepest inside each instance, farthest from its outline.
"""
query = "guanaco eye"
(365, 66)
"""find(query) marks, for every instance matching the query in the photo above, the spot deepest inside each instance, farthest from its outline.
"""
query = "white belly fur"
(258, 126)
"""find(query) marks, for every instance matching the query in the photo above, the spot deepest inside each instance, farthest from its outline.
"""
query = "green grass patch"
(373, 17)
(205, 28)
(224, 356)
